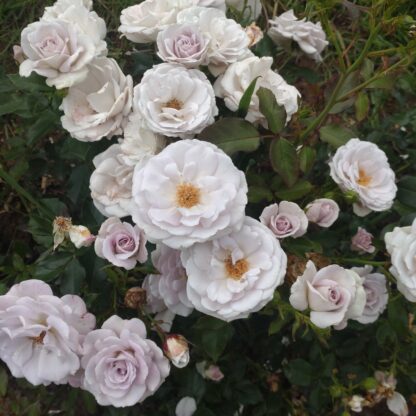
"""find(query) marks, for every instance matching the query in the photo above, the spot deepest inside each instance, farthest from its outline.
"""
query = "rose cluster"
(160, 183)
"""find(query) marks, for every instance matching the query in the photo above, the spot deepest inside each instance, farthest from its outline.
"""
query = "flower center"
(236, 270)
(39, 339)
(187, 195)
(363, 178)
(174, 103)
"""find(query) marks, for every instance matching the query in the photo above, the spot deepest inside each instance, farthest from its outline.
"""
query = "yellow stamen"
(187, 195)
(236, 270)
(174, 103)
(363, 178)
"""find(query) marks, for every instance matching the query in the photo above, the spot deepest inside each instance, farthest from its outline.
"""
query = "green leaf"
(284, 160)
(275, 114)
(78, 184)
(232, 135)
(258, 194)
(362, 106)
(41, 230)
(214, 335)
(4, 379)
(302, 245)
(247, 393)
(51, 265)
(397, 316)
(307, 156)
(384, 82)
(46, 122)
(72, 278)
(406, 193)
(297, 191)
(245, 100)
(335, 135)
(299, 372)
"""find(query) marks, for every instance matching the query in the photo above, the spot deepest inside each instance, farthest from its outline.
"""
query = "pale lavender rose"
(122, 367)
(40, 334)
(170, 284)
(120, 243)
(376, 294)
(362, 241)
(183, 44)
(323, 212)
(186, 406)
(333, 295)
(286, 219)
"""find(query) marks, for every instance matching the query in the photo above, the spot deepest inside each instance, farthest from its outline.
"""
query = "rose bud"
(135, 297)
(254, 33)
(80, 236)
(176, 348)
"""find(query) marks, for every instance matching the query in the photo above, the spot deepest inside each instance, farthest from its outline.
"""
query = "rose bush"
(242, 251)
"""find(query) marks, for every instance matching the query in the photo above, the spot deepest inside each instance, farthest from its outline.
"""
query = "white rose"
(229, 42)
(175, 101)
(376, 294)
(285, 219)
(251, 9)
(185, 407)
(309, 36)
(170, 284)
(56, 50)
(190, 192)
(363, 167)
(323, 212)
(234, 82)
(401, 245)
(111, 183)
(141, 23)
(333, 294)
(41, 334)
(237, 274)
(97, 106)
(183, 44)
(176, 348)
(80, 236)
(139, 143)
(122, 367)
(77, 14)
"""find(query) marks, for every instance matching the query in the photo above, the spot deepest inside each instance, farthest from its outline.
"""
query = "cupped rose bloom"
(120, 243)
(176, 348)
(78, 14)
(141, 23)
(362, 241)
(376, 294)
(234, 82)
(122, 367)
(229, 42)
(363, 168)
(333, 295)
(57, 50)
(249, 8)
(186, 406)
(40, 334)
(96, 107)
(285, 219)
(139, 143)
(309, 36)
(401, 245)
(111, 183)
(175, 101)
(235, 275)
(183, 44)
(323, 212)
(170, 284)
(190, 192)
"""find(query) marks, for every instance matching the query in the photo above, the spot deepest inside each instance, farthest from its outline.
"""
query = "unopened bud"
(135, 297)
(351, 196)
(254, 33)
(176, 348)
(80, 236)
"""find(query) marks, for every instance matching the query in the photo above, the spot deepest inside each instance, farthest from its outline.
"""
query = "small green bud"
(369, 383)
(351, 196)
(346, 413)
(335, 391)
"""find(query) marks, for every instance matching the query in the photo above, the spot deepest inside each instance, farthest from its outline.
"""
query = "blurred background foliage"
(275, 362)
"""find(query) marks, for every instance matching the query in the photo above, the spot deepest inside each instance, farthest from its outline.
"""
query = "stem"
(361, 261)
(334, 96)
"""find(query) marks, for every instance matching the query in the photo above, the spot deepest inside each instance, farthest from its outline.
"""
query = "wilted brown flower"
(135, 297)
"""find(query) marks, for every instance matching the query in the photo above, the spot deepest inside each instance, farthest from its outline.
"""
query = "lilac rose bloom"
(362, 241)
(323, 212)
(286, 219)
(121, 243)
